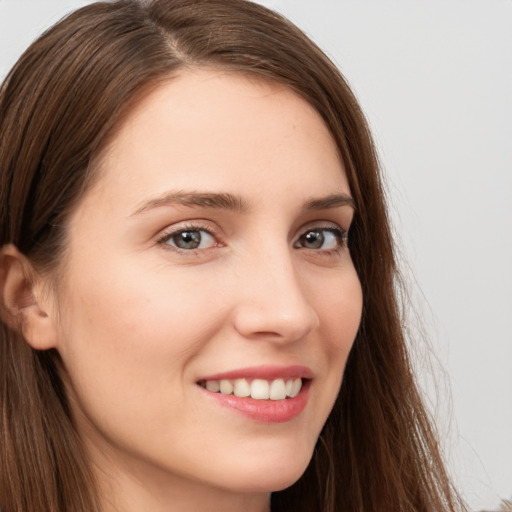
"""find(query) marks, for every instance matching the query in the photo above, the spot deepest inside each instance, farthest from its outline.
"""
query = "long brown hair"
(58, 108)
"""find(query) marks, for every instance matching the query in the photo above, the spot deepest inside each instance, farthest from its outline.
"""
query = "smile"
(268, 394)
(257, 389)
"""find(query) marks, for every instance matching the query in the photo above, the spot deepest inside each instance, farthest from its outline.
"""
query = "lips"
(269, 372)
(265, 393)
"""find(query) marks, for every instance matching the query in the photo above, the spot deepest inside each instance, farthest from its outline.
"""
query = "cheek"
(135, 331)
(130, 302)
(337, 299)
(340, 308)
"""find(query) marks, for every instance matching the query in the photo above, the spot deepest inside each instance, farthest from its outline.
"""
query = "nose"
(273, 303)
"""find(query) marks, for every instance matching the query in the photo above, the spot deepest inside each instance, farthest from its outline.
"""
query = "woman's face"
(210, 252)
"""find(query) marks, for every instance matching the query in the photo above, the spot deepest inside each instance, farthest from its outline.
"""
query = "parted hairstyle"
(59, 106)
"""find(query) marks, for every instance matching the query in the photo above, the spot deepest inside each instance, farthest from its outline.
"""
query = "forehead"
(212, 128)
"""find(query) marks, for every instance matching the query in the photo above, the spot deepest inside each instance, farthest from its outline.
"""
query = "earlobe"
(23, 309)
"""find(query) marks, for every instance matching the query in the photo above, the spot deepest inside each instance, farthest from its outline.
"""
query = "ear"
(25, 308)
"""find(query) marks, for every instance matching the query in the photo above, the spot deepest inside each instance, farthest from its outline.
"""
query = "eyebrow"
(227, 201)
(221, 201)
(330, 201)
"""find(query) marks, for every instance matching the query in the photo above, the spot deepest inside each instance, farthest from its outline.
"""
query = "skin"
(138, 322)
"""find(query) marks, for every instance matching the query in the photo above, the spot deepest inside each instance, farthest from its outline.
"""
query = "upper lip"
(269, 372)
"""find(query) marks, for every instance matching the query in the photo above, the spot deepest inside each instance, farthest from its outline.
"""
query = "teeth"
(277, 390)
(226, 388)
(258, 389)
(213, 385)
(297, 384)
(241, 388)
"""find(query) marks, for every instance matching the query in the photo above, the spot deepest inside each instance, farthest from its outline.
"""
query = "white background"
(435, 80)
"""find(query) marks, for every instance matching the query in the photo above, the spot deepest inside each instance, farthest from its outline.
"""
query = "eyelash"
(194, 228)
(340, 234)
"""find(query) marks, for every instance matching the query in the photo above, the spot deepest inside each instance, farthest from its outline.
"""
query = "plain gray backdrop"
(435, 80)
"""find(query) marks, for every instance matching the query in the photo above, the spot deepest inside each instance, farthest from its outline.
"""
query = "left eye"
(324, 238)
(190, 239)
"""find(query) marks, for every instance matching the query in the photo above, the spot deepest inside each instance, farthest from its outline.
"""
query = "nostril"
(274, 323)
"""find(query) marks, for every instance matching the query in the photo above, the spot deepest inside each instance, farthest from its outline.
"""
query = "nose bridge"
(274, 302)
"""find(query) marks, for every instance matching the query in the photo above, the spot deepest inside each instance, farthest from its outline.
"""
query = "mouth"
(264, 394)
(257, 389)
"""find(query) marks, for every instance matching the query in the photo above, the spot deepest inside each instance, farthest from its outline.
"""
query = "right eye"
(189, 239)
(324, 239)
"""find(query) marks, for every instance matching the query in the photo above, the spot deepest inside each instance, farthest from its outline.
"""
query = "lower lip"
(265, 411)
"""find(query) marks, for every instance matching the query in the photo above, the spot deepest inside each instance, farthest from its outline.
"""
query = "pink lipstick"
(270, 394)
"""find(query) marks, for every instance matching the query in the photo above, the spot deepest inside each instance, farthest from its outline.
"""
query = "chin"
(276, 472)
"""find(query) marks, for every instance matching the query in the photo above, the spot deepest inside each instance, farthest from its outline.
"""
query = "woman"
(197, 275)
